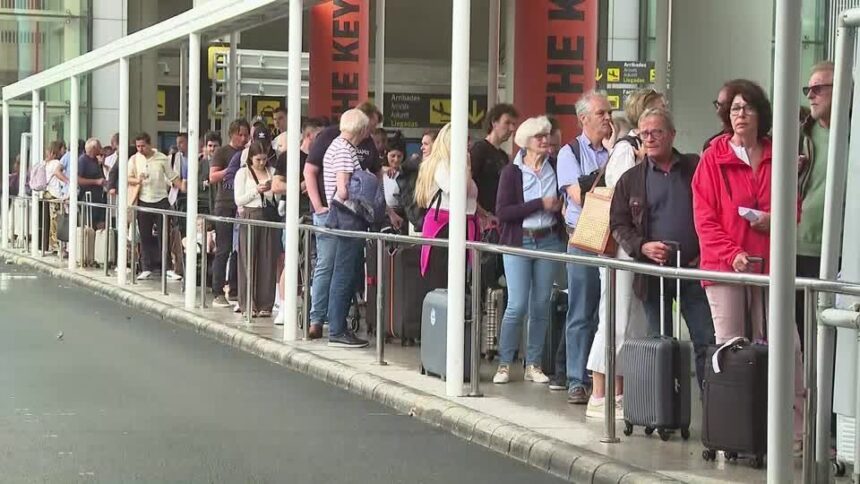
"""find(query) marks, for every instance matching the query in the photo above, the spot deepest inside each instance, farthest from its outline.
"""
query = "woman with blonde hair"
(56, 189)
(432, 191)
(630, 317)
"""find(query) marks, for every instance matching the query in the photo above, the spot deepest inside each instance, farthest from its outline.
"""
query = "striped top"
(341, 157)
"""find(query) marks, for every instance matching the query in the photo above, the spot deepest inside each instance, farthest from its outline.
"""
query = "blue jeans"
(529, 291)
(344, 279)
(695, 309)
(321, 283)
(583, 298)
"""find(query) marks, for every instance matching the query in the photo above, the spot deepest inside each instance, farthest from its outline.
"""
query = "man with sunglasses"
(721, 101)
(814, 140)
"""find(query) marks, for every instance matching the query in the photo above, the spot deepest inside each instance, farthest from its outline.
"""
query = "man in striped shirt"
(339, 163)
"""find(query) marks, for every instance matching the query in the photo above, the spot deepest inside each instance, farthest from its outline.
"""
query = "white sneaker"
(279, 319)
(502, 375)
(596, 406)
(173, 276)
(144, 276)
(535, 374)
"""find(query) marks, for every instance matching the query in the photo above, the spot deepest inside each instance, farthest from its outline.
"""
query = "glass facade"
(36, 35)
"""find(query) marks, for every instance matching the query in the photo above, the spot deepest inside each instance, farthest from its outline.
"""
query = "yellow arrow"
(599, 75)
(476, 115)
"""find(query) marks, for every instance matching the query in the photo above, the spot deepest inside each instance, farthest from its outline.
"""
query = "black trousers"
(224, 255)
(150, 249)
(807, 266)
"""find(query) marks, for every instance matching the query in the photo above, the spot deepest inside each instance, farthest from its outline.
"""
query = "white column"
(233, 79)
(74, 135)
(457, 224)
(291, 230)
(493, 53)
(193, 168)
(183, 89)
(122, 186)
(510, 50)
(379, 58)
(661, 57)
(780, 465)
(36, 155)
(4, 209)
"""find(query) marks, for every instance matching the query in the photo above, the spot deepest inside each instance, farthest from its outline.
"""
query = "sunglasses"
(815, 90)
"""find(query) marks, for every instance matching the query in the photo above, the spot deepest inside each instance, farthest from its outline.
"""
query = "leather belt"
(538, 233)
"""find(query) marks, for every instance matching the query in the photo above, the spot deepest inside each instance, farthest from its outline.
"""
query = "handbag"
(270, 208)
(592, 232)
(63, 227)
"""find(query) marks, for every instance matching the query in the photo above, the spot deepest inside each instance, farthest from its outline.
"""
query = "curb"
(559, 458)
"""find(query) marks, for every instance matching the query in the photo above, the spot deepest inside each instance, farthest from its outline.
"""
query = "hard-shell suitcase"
(555, 329)
(434, 335)
(86, 237)
(734, 414)
(657, 378)
(405, 292)
(491, 321)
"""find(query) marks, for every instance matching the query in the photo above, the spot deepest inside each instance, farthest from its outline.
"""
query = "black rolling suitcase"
(555, 329)
(734, 417)
(657, 378)
(405, 290)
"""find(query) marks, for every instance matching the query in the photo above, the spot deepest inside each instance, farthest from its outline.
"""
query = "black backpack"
(406, 182)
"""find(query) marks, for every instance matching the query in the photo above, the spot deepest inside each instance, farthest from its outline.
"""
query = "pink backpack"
(38, 177)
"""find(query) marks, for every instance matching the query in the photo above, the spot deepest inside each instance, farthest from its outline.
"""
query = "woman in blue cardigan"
(529, 212)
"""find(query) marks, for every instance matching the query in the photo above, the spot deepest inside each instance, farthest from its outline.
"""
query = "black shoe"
(347, 340)
(558, 383)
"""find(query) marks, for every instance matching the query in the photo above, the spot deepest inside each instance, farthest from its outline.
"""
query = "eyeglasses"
(717, 105)
(815, 90)
(736, 109)
(653, 133)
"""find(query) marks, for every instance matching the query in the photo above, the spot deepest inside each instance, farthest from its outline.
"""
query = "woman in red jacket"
(731, 205)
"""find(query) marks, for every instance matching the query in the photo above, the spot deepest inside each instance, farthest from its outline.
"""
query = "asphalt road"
(92, 391)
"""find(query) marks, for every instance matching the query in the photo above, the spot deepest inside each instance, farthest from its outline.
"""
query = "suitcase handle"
(674, 248)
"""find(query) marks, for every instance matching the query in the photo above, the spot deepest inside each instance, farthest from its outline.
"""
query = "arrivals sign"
(411, 110)
(620, 78)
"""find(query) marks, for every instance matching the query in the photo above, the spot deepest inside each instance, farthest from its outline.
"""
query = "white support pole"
(291, 229)
(183, 89)
(454, 364)
(233, 79)
(379, 58)
(35, 156)
(4, 209)
(780, 466)
(661, 55)
(510, 50)
(837, 172)
(122, 186)
(193, 169)
(74, 135)
(493, 53)
(26, 152)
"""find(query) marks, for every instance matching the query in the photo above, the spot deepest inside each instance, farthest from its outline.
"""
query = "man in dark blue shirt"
(91, 180)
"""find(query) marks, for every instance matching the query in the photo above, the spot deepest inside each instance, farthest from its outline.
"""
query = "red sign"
(339, 56)
(555, 58)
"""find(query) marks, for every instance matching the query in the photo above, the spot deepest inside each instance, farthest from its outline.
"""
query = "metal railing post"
(164, 255)
(133, 244)
(204, 261)
(249, 276)
(810, 329)
(380, 304)
(609, 410)
(108, 240)
(475, 346)
(306, 285)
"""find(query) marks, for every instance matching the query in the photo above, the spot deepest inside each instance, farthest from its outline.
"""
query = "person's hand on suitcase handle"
(658, 251)
(744, 261)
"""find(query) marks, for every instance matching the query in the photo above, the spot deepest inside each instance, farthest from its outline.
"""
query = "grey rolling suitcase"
(434, 335)
(657, 379)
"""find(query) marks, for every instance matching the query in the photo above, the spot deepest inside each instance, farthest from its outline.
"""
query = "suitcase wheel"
(731, 456)
(685, 433)
(490, 356)
(838, 468)
(664, 434)
(628, 428)
(649, 430)
(709, 454)
(757, 461)
(422, 370)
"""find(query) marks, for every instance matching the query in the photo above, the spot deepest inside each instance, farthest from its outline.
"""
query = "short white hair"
(530, 128)
(91, 144)
(583, 105)
(354, 121)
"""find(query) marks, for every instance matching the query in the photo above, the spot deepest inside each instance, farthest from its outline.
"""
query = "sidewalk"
(521, 419)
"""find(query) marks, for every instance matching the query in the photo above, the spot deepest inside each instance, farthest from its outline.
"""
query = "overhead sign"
(167, 98)
(407, 110)
(623, 72)
(265, 107)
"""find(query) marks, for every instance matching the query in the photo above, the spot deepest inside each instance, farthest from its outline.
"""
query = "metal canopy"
(213, 18)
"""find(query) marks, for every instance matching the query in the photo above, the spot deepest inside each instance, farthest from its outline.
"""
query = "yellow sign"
(613, 74)
(599, 75)
(476, 115)
(266, 108)
(652, 74)
(213, 50)
(440, 111)
(161, 98)
(614, 101)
